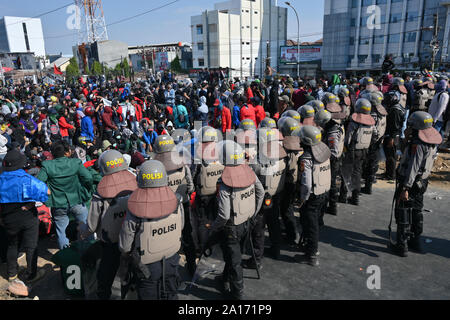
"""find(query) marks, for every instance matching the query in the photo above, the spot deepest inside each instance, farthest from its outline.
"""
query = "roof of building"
(294, 43)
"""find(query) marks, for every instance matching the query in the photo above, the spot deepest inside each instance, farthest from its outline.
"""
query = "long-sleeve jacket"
(69, 181)
(438, 105)
(394, 121)
(236, 116)
(20, 187)
(64, 127)
(87, 128)
(177, 111)
(226, 118)
(107, 119)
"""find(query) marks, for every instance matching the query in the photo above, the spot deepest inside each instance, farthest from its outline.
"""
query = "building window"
(394, 38)
(25, 32)
(200, 46)
(378, 39)
(394, 1)
(248, 27)
(246, 11)
(412, 16)
(353, 22)
(364, 40)
(362, 58)
(201, 62)
(256, 12)
(396, 17)
(367, 3)
(376, 58)
(352, 41)
(350, 58)
(256, 27)
(355, 3)
(410, 37)
(364, 21)
(381, 2)
(199, 29)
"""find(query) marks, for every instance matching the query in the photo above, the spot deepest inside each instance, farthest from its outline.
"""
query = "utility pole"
(2, 76)
(434, 44)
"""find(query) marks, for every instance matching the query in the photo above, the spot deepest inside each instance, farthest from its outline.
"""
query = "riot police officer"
(315, 180)
(307, 114)
(206, 174)
(420, 95)
(345, 101)
(180, 181)
(246, 137)
(367, 85)
(334, 135)
(240, 196)
(371, 164)
(271, 172)
(412, 181)
(357, 142)
(106, 214)
(151, 234)
(291, 144)
(316, 104)
(394, 122)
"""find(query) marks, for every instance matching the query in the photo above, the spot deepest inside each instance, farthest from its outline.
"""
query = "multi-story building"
(19, 34)
(238, 34)
(358, 34)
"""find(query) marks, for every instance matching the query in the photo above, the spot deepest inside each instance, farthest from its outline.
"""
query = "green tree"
(97, 68)
(126, 68)
(175, 65)
(72, 70)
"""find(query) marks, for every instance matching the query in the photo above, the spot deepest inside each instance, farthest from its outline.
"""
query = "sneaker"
(18, 288)
(309, 260)
(21, 256)
(250, 264)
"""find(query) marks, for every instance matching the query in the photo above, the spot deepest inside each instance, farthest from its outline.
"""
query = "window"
(200, 46)
(212, 28)
(353, 22)
(352, 41)
(256, 27)
(412, 16)
(394, 1)
(248, 27)
(381, 2)
(256, 12)
(396, 17)
(355, 3)
(376, 58)
(367, 3)
(364, 40)
(199, 29)
(201, 62)
(394, 38)
(246, 11)
(410, 37)
(378, 39)
(362, 58)
(25, 33)
(363, 21)
(350, 58)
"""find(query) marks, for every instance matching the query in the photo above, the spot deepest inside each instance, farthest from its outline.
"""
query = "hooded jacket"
(87, 128)
(20, 187)
(107, 119)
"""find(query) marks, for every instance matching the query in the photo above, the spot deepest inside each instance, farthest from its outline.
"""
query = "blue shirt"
(150, 136)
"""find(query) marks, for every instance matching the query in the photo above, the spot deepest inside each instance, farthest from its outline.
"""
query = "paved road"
(349, 243)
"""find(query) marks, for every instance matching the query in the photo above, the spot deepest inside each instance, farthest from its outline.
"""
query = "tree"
(97, 68)
(126, 67)
(175, 65)
(72, 70)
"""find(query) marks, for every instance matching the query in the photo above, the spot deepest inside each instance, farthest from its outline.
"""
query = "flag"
(56, 70)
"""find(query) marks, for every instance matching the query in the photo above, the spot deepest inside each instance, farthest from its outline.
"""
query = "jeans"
(61, 218)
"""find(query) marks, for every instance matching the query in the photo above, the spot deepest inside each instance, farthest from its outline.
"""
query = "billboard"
(288, 55)
(162, 60)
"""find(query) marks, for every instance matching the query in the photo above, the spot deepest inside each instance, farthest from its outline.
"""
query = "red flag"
(56, 70)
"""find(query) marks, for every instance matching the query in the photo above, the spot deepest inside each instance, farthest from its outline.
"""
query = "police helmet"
(247, 124)
(329, 98)
(363, 106)
(231, 153)
(307, 111)
(310, 135)
(208, 134)
(112, 161)
(366, 81)
(420, 120)
(292, 114)
(268, 123)
(164, 143)
(152, 174)
(289, 126)
(316, 104)
(344, 92)
(322, 117)
(267, 134)
(181, 135)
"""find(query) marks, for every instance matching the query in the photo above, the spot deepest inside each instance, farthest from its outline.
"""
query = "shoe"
(332, 209)
(18, 288)
(36, 277)
(400, 249)
(250, 264)
(415, 245)
(354, 200)
(21, 256)
(307, 259)
(342, 198)
(274, 252)
(367, 189)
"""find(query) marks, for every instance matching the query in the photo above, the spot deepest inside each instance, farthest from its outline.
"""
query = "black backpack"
(446, 114)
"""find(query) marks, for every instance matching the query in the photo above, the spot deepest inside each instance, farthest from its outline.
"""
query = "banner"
(288, 55)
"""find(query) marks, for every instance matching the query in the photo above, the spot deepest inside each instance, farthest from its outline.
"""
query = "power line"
(40, 15)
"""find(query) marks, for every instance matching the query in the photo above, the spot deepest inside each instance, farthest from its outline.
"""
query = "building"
(160, 55)
(238, 34)
(19, 34)
(108, 53)
(310, 59)
(358, 34)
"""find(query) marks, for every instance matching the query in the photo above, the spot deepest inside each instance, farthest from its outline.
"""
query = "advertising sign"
(288, 55)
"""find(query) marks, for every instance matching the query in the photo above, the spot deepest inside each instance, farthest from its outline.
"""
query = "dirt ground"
(50, 287)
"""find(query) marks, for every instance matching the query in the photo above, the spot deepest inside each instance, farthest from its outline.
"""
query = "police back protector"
(208, 177)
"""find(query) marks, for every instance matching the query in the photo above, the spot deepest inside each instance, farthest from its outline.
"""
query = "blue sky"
(170, 24)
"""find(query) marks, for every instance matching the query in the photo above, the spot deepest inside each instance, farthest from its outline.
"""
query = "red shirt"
(260, 114)
(226, 118)
(64, 127)
(248, 112)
